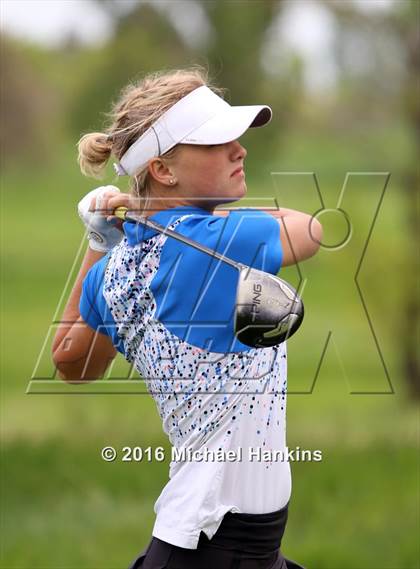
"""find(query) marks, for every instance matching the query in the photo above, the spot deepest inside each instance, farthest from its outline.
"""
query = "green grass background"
(63, 507)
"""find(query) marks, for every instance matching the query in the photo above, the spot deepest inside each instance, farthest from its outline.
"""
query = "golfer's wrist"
(93, 255)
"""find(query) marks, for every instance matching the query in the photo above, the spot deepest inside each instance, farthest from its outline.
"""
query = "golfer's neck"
(155, 203)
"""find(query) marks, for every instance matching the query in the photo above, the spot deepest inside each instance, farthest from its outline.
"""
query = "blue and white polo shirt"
(169, 310)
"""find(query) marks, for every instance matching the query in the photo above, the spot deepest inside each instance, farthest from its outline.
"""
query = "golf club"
(268, 310)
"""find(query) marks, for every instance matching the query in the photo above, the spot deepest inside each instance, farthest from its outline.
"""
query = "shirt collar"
(137, 232)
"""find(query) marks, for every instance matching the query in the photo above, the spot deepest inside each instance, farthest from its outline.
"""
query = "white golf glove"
(102, 235)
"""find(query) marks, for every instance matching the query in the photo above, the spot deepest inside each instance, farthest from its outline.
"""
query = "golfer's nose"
(238, 151)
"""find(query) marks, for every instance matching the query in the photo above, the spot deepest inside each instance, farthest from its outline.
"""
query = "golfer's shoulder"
(248, 236)
(240, 226)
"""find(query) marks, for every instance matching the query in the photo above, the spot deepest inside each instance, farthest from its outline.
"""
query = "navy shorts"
(242, 541)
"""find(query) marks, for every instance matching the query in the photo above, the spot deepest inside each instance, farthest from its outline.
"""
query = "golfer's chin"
(244, 189)
(232, 194)
(240, 191)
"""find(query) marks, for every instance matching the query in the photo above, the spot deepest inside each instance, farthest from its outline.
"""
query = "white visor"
(201, 117)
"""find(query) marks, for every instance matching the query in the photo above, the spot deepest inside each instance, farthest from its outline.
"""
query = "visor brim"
(229, 125)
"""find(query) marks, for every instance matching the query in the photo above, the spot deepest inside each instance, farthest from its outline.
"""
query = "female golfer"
(168, 309)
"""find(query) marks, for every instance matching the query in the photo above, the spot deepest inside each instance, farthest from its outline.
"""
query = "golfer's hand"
(103, 233)
(111, 201)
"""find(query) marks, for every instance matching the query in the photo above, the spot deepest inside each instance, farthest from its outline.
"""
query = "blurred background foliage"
(359, 508)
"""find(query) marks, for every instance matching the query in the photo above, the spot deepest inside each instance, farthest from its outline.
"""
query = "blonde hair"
(138, 107)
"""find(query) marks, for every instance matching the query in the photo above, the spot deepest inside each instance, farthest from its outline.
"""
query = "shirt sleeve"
(249, 236)
(93, 307)
(90, 299)
(196, 295)
(253, 237)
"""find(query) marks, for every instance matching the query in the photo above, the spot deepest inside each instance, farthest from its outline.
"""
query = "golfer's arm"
(79, 352)
(300, 233)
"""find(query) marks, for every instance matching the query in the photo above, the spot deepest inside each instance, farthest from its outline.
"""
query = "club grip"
(121, 212)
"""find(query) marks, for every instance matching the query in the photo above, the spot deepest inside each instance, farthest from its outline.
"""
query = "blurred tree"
(235, 56)
(28, 104)
(379, 53)
(144, 41)
(405, 22)
(234, 51)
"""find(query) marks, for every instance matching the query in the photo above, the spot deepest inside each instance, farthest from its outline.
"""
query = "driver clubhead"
(268, 309)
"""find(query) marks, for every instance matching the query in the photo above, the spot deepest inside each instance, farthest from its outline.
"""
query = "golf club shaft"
(127, 215)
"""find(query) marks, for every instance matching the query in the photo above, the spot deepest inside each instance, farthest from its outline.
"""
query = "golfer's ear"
(160, 172)
(300, 236)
